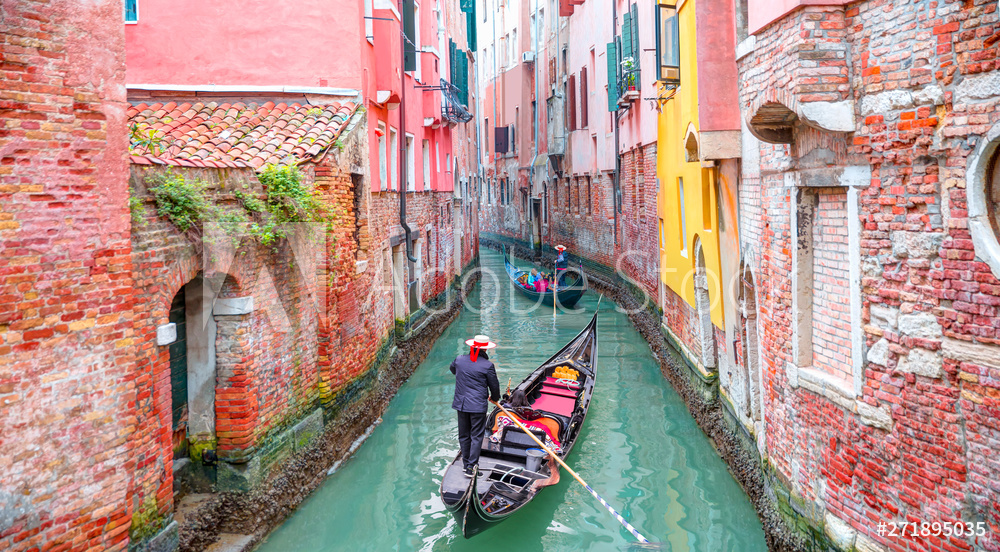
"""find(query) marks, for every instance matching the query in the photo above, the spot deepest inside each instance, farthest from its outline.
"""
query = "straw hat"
(481, 342)
(560, 248)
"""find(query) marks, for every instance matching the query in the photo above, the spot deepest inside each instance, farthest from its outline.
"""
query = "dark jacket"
(473, 380)
(561, 262)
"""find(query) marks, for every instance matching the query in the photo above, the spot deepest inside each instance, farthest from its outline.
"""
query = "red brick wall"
(66, 340)
(831, 324)
(916, 443)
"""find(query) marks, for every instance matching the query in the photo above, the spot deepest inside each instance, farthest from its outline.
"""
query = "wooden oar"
(614, 512)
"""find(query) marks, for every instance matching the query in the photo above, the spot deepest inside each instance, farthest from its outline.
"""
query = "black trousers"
(471, 428)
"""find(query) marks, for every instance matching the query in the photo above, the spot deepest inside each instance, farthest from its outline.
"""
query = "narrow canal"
(639, 448)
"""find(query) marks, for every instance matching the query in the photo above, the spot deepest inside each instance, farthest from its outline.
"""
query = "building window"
(584, 115)
(992, 194)
(668, 52)
(571, 103)
(683, 224)
(394, 158)
(382, 169)
(426, 146)
(590, 204)
(131, 11)
(827, 338)
(369, 27)
(416, 42)
(411, 178)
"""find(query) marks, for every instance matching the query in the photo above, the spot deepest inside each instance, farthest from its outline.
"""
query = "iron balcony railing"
(452, 109)
(628, 85)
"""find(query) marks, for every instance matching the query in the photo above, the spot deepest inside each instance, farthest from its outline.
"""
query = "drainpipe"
(402, 142)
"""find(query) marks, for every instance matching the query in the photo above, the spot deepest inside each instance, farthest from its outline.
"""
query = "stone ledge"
(821, 383)
(233, 306)
(706, 376)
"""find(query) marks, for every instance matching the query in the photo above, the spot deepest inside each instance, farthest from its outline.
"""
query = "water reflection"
(639, 448)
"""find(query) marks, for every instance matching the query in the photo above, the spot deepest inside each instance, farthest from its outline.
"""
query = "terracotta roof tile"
(238, 134)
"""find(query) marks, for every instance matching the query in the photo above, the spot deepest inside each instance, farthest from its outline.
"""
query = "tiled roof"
(233, 135)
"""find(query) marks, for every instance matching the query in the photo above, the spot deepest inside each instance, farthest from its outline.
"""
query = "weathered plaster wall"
(180, 43)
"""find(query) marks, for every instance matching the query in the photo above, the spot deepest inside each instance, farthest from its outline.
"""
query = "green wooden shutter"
(612, 77)
(452, 70)
(463, 76)
(409, 31)
(627, 36)
(635, 43)
(471, 28)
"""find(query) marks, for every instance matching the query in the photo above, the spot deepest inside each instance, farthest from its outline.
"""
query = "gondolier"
(561, 265)
(475, 381)
(557, 396)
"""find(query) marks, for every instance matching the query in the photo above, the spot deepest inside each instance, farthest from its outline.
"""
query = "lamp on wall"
(668, 56)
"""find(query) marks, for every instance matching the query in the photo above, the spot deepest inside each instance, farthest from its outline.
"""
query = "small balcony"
(628, 84)
(452, 109)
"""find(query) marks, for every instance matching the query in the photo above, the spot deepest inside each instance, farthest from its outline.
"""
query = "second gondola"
(566, 296)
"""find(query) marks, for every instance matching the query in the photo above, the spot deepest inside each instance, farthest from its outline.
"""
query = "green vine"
(136, 207)
(286, 200)
(182, 201)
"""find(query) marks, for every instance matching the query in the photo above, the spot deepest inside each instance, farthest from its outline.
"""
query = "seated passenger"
(519, 405)
(532, 278)
(541, 285)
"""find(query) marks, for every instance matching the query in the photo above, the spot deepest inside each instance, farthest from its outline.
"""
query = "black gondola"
(568, 294)
(502, 483)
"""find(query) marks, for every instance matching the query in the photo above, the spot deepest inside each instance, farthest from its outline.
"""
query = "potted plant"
(628, 72)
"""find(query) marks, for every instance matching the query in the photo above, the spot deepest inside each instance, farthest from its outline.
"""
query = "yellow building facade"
(687, 200)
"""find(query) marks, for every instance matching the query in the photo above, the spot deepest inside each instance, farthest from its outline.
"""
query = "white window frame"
(418, 74)
(425, 147)
(411, 184)
(125, 12)
(394, 159)
(382, 158)
(369, 22)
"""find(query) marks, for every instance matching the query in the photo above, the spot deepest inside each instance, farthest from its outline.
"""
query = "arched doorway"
(193, 365)
(179, 376)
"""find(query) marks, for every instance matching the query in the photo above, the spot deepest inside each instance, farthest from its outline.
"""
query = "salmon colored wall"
(299, 43)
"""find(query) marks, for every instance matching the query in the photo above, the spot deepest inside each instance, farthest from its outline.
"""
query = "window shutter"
(471, 28)
(627, 36)
(409, 31)
(612, 77)
(451, 61)
(584, 117)
(636, 50)
(571, 103)
(500, 135)
(513, 139)
(463, 75)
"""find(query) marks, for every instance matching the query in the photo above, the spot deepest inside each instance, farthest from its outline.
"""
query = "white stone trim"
(984, 240)
(745, 48)
(854, 280)
(233, 306)
(166, 334)
(241, 88)
(832, 116)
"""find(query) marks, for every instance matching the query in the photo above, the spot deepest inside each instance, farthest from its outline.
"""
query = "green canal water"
(639, 448)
